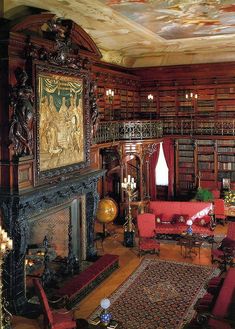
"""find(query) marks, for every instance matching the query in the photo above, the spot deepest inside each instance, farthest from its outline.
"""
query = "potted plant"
(203, 195)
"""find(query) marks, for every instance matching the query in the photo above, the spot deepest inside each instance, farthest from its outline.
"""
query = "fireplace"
(49, 210)
(55, 223)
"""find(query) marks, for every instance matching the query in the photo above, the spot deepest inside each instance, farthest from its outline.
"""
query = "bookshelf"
(186, 165)
(167, 102)
(226, 101)
(206, 101)
(125, 104)
(226, 159)
(185, 106)
(206, 162)
(148, 110)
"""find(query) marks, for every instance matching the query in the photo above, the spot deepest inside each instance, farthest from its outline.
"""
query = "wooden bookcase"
(225, 100)
(185, 107)
(204, 159)
(206, 162)
(206, 102)
(226, 159)
(167, 102)
(185, 178)
(148, 110)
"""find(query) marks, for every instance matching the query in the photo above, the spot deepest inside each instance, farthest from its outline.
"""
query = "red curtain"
(168, 150)
(152, 178)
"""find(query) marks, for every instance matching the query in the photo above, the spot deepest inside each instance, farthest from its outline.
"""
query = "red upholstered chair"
(219, 211)
(146, 228)
(225, 253)
(59, 319)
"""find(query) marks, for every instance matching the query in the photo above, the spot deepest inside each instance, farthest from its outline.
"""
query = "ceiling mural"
(138, 33)
(173, 19)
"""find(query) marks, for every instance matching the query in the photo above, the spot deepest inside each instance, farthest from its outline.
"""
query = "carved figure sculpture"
(21, 128)
(94, 110)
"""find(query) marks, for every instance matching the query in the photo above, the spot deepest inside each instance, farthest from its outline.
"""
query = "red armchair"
(146, 227)
(225, 253)
(219, 211)
(59, 319)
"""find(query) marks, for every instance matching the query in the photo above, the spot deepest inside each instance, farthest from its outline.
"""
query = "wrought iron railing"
(128, 130)
(215, 127)
(109, 131)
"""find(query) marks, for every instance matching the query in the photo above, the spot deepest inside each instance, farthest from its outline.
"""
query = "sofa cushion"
(158, 220)
(182, 218)
(175, 218)
(162, 218)
(205, 221)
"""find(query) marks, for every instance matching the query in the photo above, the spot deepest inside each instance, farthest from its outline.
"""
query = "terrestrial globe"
(107, 210)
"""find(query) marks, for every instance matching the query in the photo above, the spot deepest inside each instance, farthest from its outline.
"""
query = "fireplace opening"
(56, 243)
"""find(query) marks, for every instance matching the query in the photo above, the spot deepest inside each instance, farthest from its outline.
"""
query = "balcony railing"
(127, 130)
(215, 127)
(109, 131)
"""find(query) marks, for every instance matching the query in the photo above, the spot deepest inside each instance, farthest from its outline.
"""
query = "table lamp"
(105, 315)
(189, 229)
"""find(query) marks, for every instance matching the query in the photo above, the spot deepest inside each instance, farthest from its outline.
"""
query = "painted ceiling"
(137, 33)
(173, 19)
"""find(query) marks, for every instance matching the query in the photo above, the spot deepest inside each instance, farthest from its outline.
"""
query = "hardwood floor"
(129, 260)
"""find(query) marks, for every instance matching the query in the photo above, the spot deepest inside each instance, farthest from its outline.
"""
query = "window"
(161, 170)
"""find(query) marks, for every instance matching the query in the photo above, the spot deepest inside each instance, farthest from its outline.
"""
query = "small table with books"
(96, 323)
(190, 243)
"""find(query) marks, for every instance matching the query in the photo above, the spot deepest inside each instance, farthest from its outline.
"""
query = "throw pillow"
(201, 221)
(183, 219)
(175, 219)
(158, 220)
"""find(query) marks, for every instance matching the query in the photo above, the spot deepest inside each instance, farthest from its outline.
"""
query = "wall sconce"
(110, 95)
(150, 101)
(191, 95)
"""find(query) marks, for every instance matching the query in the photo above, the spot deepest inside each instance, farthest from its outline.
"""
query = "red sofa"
(171, 216)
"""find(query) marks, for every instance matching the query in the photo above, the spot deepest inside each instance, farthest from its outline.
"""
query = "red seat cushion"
(63, 321)
(149, 244)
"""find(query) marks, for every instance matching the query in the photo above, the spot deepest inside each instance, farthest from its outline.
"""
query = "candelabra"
(191, 95)
(5, 247)
(110, 95)
(129, 228)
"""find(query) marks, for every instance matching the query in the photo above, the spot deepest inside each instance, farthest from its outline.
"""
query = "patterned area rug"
(159, 295)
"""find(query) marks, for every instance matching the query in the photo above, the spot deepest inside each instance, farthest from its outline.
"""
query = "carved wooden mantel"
(25, 190)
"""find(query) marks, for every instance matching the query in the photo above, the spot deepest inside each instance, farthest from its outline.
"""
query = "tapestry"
(159, 295)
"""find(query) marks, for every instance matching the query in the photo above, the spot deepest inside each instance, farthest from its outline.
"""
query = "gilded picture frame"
(62, 121)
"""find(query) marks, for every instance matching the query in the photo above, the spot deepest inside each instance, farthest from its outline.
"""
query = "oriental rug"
(159, 295)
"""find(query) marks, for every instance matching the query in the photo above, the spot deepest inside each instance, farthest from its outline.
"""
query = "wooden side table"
(190, 243)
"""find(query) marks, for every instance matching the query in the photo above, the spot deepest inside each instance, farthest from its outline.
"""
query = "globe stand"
(106, 212)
